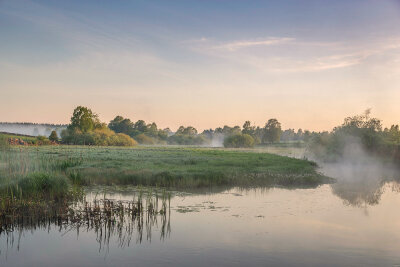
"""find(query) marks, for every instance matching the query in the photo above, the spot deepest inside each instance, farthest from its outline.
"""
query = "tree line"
(357, 132)
(85, 128)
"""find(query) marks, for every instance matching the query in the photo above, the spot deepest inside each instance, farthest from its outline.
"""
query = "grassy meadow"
(178, 167)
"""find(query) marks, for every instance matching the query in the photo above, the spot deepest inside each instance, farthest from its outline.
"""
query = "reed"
(106, 217)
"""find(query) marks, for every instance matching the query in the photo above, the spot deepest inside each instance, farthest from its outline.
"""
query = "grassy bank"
(168, 166)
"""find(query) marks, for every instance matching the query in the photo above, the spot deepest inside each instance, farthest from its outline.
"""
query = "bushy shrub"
(239, 140)
(53, 136)
(144, 139)
(121, 139)
(99, 137)
(42, 140)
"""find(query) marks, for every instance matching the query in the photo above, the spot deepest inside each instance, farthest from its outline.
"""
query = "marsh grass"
(106, 217)
(28, 177)
(163, 166)
(185, 168)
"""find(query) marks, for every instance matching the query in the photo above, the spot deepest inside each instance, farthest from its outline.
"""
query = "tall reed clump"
(28, 178)
(107, 218)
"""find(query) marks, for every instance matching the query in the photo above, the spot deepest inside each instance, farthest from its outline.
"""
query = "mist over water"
(360, 176)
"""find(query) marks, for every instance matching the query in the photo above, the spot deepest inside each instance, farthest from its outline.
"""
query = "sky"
(203, 63)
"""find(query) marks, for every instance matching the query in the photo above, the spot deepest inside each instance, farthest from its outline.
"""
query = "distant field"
(27, 138)
(183, 167)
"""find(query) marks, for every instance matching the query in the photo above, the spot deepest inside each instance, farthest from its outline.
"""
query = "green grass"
(26, 138)
(178, 167)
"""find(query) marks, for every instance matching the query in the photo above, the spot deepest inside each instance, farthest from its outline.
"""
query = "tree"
(53, 136)
(84, 120)
(121, 125)
(187, 131)
(141, 126)
(272, 131)
(394, 134)
(152, 130)
(362, 127)
(248, 129)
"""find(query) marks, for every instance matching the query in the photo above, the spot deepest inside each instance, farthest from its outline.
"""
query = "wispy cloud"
(296, 55)
(233, 46)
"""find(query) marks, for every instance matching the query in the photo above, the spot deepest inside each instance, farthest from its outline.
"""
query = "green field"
(180, 167)
(26, 138)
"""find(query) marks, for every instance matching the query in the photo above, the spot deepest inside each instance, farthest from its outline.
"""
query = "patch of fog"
(30, 129)
(360, 176)
(217, 140)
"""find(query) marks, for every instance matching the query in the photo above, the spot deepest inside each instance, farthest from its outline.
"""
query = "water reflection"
(126, 221)
(362, 183)
(237, 227)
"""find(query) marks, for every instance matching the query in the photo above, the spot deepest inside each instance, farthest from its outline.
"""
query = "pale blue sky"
(203, 63)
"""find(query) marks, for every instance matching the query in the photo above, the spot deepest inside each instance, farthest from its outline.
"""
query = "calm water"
(259, 227)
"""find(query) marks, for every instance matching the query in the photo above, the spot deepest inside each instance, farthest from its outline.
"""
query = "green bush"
(239, 140)
(53, 136)
(42, 140)
(99, 137)
(144, 139)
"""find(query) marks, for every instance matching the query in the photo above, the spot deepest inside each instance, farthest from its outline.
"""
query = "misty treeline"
(360, 132)
(86, 129)
(31, 129)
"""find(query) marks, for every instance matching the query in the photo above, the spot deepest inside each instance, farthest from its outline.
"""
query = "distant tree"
(186, 131)
(299, 135)
(272, 131)
(84, 120)
(53, 136)
(163, 134)
(121, 125)
(208, 133)
(248, 129)
(393, 134)
(306, 136)
(140, 126)
(152, 129)
(363, 127)
(288, 135)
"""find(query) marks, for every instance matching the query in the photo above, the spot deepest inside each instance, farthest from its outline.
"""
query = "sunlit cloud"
(233, 46)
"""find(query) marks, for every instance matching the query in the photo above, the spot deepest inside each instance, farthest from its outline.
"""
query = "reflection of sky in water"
(254, 227)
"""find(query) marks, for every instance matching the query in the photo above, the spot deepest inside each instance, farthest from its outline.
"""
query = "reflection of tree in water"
(361, 179)
(359, 193)
(364, 190)
(123, 220)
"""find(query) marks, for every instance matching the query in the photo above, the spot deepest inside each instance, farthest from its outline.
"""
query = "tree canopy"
(272, 131)
(84, 119)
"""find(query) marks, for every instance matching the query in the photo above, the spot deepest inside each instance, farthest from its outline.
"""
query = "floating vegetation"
(183, 209)
(205, 205)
